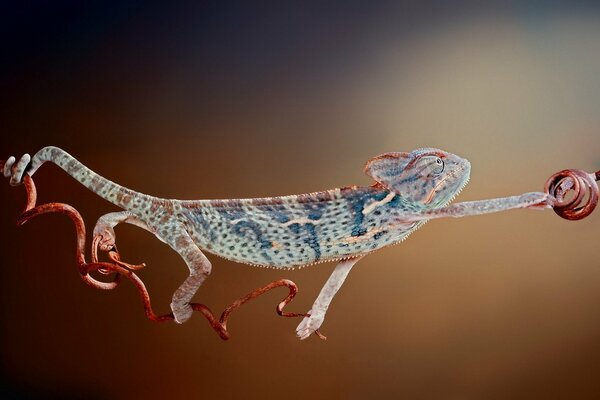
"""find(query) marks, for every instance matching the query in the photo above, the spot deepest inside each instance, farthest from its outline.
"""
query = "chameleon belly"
(299, 230)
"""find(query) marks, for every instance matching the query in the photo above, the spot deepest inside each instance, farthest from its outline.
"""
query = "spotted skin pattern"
(341, 224)
(287, 233)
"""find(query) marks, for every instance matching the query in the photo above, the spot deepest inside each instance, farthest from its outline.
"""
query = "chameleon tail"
(108, 190)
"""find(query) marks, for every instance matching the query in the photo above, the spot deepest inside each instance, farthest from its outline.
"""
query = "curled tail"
(107, 189)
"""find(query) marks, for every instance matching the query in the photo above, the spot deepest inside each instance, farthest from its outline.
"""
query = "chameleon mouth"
(460, 189)
(462, 185)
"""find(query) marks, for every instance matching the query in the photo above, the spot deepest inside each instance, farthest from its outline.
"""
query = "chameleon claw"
(307, 332)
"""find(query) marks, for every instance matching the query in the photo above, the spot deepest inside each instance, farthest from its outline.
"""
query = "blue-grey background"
(227, 99)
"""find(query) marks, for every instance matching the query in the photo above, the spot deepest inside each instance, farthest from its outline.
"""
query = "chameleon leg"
(316, 315)
(199, 267)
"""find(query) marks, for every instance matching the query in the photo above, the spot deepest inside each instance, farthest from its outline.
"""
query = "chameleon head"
(429, 177)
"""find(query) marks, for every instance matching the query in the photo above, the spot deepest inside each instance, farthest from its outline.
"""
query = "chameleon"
(284, 232)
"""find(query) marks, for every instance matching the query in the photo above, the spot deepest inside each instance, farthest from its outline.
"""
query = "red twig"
(121, 269)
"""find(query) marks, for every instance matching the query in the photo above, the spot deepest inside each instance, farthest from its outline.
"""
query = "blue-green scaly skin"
(291, 231)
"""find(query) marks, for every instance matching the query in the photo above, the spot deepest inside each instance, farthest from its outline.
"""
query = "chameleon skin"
(295, 231)
(285, 232)
(288, 233)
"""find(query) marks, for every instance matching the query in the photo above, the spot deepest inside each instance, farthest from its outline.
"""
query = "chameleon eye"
(430, 165)
(438, 167)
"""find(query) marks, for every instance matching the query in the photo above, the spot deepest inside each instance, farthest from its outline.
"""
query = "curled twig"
(575, 191)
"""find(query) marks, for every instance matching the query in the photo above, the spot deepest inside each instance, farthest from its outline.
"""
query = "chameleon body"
(295, 231)
(341, 224)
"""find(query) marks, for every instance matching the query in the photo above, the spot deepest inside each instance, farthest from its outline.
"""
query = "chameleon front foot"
(105, 238)
(309, 325)
(107, 245)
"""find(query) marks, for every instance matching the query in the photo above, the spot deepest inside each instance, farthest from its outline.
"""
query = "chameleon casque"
(342, 224)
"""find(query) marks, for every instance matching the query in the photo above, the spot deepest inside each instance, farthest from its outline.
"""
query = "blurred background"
(204, 100)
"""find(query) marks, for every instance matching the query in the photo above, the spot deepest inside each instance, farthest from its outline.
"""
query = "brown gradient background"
(213, 101)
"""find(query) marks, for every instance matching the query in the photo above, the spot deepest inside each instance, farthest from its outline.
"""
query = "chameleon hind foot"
(181, 312)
